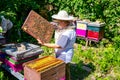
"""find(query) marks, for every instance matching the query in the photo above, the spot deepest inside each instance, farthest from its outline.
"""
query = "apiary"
(19, 54)
(45, 68)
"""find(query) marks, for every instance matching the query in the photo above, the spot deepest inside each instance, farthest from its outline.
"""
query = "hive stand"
(87, 41)
(18, 75)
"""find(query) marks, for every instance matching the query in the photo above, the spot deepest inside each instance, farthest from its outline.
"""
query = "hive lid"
(95, 24)
(31, 50)
(83, 22)
(38, 27)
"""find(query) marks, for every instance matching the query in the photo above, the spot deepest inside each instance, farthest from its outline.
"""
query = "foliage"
(116, 41)
(104, 60)
(4, 75)
(107, 11)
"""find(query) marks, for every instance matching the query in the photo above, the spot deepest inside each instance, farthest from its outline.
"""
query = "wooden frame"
(38, 27)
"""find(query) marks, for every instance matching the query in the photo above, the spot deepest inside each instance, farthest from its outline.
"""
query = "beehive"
(95, 31)
(81, 28)
(45, 68)
(95, 35)
(16, 65)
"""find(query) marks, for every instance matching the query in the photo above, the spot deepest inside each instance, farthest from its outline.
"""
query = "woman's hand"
(54, 24)
(50, 45)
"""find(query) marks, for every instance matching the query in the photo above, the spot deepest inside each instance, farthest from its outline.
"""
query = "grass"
(4, 75)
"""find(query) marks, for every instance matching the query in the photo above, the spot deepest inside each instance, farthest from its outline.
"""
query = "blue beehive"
(95, 31)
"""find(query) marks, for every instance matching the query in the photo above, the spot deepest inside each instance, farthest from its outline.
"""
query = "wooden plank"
(38, 27)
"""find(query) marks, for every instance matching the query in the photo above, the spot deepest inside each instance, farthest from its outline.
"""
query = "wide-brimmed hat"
(62, 15)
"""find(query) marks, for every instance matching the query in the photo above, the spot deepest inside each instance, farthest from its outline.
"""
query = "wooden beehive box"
(16, 65)
(38, 27)
(95, 31)
(81, 29)
(45, 68)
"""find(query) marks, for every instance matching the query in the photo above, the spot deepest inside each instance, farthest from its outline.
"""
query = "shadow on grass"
(80, 71)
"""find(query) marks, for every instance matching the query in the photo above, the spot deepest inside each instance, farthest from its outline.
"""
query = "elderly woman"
(65, 36)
